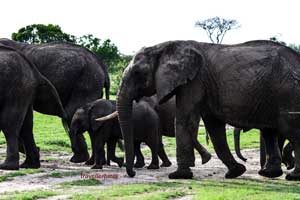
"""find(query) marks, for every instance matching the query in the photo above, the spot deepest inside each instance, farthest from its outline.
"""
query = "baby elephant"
(146, 129)
(100, 133)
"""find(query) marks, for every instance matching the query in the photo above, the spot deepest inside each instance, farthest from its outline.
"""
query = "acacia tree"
(217, 27)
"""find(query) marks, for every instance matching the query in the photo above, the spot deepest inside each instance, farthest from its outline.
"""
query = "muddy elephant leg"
(162, 154)
(272, 168)
(111, 151)
(217, 134)
(91, 160)
(140, 161)
(32, 153)
(287, 156)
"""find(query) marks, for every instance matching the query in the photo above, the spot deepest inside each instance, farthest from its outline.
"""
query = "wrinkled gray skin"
(250, 85)
(166, 113)
(286, 151)
(20, 85)
(146, 125)
(78, 75)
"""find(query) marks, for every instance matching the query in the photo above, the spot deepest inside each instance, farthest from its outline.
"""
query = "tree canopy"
(217, 27)
(40, 33)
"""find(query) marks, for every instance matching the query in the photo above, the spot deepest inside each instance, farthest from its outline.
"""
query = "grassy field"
(50, 137)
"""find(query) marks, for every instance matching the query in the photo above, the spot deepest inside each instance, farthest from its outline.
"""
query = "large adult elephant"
(20, 84)
(78, 75)
(250, 85)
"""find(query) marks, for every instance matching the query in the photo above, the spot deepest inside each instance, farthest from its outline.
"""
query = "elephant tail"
(107, 86)
(237, 132)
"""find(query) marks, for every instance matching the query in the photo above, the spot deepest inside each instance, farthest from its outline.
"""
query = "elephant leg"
(11, 119)
(287, 156)
(294, 138)
(32, 153)
(111, 152)
(262, 151)
(187, 122)
(21, 145)
(272, 168)
(162, 154)
(91, 160)
(140, 161)
(99, 152)
(205, 155)
(153, 145)
(217, 133)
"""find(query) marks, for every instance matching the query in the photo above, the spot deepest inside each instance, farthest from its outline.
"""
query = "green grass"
(22, 172)
(134, 191)
(62, 174)
(28, 195)
(83, 182)
(204, 190)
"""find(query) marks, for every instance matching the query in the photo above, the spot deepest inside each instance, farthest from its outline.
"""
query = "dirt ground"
(214, 169)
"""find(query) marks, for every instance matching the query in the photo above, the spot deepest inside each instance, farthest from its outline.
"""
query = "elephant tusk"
(107, 117)
(294, 113)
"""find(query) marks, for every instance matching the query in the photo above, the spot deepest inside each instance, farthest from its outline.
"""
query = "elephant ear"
(177, 65)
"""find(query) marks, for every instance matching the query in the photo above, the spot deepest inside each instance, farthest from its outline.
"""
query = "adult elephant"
(249, 85)
(78, 75)
(20, 84)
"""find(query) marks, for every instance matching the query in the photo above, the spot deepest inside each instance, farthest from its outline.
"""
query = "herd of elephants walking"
(165, 90)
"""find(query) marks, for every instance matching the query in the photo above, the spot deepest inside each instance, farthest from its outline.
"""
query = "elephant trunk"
(124, 107)
(237, 148)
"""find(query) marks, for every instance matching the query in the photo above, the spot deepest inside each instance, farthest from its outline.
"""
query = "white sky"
(132, 24)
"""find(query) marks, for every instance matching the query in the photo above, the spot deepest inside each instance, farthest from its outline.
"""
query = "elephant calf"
(146, 127)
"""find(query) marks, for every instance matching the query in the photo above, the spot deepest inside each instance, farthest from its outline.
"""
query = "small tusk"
(107, 117)
(294, 113)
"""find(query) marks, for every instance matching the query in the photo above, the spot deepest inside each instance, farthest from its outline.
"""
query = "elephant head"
(80, 122)
(159, 69)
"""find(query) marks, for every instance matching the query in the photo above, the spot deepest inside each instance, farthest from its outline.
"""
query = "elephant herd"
(165, 90)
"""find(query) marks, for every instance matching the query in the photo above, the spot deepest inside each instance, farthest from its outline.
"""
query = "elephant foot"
(90, 161)
(97, 166)
(139, 165)
(166, 164)
(120, 162)
(289, 163)
(293, 176)
(205, 158)
(153, 166)
(236, 171)
(130, 172)
(9, 166)
(79, 158)
(185, 173)
(192, 164)
(30, 164)
(271, 172)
